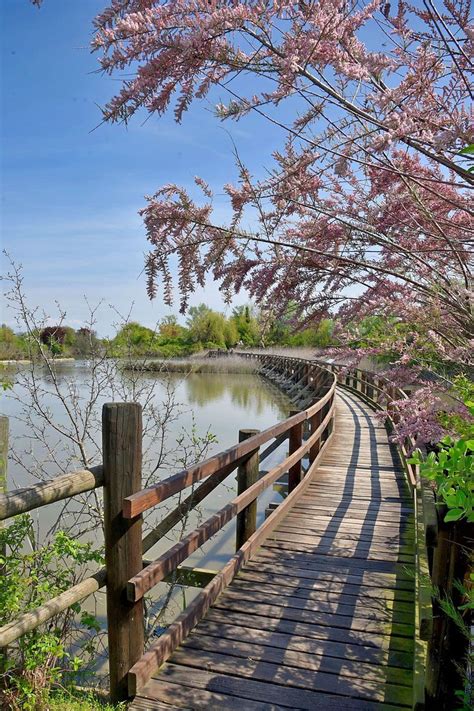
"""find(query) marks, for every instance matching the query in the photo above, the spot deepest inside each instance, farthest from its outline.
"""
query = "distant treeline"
(204, 329)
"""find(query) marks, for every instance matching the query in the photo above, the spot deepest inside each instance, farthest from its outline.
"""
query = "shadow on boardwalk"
(323, 615)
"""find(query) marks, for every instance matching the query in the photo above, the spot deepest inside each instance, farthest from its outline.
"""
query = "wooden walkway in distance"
(323, 615)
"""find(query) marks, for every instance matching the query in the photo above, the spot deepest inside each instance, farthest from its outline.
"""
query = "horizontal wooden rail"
(169, 561)
(48, 492)
(214, 471)
(153, 495)
(164, 647)
(93, 583)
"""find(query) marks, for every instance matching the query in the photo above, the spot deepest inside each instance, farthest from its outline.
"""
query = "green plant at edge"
(34, 575)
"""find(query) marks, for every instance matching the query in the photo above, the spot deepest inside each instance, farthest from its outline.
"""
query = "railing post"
(315, 421)
(247, 474)
(122, 457)
(296, 440)
(369, 388)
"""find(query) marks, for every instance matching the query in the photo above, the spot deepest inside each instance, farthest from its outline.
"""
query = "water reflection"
(246, 392)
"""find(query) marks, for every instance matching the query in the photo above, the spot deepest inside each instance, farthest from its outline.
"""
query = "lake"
(198, 405)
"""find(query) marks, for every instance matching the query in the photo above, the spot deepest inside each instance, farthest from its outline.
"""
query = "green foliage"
(451, 468)
(315, 337)
(393, 338)
(73, 700)
(460, 614)
(35, 574)
(468, 153)
(458, 423)
(211, 328)
(170, 341)
(247, 325)
(12, 346)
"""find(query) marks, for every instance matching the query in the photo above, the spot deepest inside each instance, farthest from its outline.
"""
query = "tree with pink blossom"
(371, 189)
(366, 207)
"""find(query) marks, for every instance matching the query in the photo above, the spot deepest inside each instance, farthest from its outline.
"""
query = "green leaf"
(467, 151)
(454, 515)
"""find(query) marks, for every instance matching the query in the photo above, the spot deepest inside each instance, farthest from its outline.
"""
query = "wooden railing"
(442, 549)
(126, 575)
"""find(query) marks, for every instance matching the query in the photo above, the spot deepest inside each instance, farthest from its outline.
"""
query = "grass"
(75, 700)
(228, 364)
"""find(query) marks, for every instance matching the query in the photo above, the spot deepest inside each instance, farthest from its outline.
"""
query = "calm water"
(220, 404)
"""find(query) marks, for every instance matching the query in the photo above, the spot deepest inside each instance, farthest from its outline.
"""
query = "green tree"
(170, 329)
(11, 345)
(134, 337)
(248, 327)
(207, 326)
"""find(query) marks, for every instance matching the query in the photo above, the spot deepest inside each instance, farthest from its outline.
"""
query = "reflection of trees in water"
(245, 391)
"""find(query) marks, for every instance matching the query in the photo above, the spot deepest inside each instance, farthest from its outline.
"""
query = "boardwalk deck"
(323, 615)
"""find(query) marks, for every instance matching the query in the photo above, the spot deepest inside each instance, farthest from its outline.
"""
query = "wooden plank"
(352, 609)
(333, 598)
(321, 588)
(318, 524)
(331, 573)
(189, 697)
(160, 651)
(333, 576)
(362, 504)
(398, 631)
(309, 677)
(342, 538)
(351, 512)
(143, 704)
(369, 523)
(352, 553)
(266, 692)
(337, 641)
(349, 565)
(332, 657)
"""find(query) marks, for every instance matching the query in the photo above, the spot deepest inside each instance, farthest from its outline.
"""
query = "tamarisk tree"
(367, 205)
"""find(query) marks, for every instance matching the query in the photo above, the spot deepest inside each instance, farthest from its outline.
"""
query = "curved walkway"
(323, 616)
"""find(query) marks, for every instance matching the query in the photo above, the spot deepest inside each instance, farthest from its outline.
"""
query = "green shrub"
(34, 575)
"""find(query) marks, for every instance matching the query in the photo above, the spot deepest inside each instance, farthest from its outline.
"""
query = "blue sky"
(70, 195)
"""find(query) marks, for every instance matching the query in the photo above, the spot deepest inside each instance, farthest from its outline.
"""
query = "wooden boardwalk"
(323, 615)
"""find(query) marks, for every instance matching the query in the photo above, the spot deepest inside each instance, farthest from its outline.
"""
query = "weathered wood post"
(370, 386)
(247, 474)
(122, 457)
(296, 440)
(315, 421)
(3, 489)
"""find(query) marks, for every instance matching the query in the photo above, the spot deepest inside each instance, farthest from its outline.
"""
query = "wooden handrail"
(214, 471)
(48, 492)
(169, 561)
(93, 583)
(163, 648)
(153, 495)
